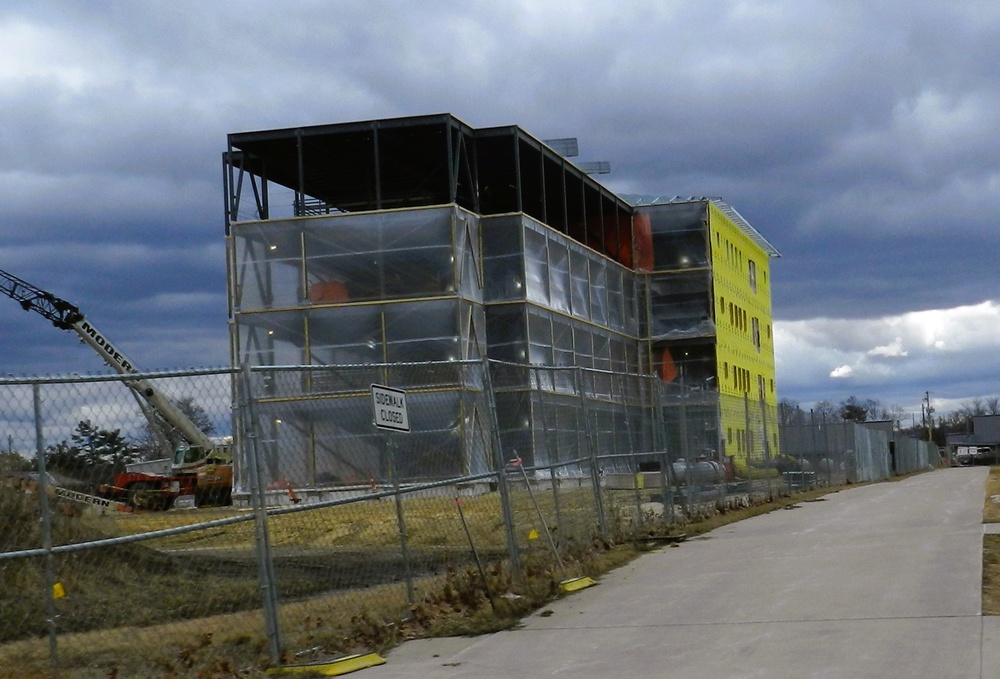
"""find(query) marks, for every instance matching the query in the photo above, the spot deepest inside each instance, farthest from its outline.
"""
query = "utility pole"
(930, 419)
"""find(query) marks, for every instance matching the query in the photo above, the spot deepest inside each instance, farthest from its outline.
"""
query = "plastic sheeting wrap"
(333, 441)
(506, 330)
(559, 282)
(390, 255)
(442, 285)
(387, 288)
(503, 258)
(536, 267)
(582, 311)
(526, 261)
(678, 235)
(309, 276)
(680, 305)
(355, 258)
(703, 328)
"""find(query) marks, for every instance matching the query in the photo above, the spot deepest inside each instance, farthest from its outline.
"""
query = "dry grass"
(430, 522)
(322, 618)
(991, 509)
(991, 546)
(991, 575)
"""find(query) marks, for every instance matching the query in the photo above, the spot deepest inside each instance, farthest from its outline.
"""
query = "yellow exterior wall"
(741, 278)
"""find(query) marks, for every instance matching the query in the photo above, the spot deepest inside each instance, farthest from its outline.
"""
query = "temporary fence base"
(332, 668)
(576, 584)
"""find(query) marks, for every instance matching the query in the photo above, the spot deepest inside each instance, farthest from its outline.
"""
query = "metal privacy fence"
(343, 536)
(857, 452)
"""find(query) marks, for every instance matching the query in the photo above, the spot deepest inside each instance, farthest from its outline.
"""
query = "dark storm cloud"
(859, 137)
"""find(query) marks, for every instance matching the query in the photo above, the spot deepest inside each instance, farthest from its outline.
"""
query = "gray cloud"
(859, 137)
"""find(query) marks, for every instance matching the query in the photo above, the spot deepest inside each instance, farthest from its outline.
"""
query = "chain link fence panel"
(342, 535)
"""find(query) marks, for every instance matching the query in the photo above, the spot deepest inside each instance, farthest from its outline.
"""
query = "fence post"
(401, 522)
(265, 565)
(660, 441)
(766, 448)
(555, 451)
(595, 475)
(501, 470)
(748, 443)
(622, 396)
(828, 451)
(689, 467)
(43, 500)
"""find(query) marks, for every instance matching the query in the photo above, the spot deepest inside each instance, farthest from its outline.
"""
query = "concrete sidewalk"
(877, 581)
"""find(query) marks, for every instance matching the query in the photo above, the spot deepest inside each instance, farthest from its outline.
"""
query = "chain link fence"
(342, 536)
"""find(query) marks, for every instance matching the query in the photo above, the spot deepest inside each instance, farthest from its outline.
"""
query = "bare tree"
(895, 413)
(993, 405)
(161, 438)
(875, 410)
(825, 409)
(789, 412)
(852, 410)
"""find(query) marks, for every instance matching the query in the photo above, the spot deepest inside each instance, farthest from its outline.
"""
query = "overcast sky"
(861, 138)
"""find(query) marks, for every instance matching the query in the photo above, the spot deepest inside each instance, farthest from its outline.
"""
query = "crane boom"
(67, 316)
(62, 314)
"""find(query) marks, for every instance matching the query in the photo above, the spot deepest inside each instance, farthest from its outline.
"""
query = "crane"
(199, 466)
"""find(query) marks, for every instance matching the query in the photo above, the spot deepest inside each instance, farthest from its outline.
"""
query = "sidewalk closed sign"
(390, 408)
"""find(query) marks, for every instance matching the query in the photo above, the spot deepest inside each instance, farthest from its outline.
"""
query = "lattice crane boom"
(67, 316)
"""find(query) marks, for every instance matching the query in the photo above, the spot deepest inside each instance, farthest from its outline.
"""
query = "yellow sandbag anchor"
(332, 668)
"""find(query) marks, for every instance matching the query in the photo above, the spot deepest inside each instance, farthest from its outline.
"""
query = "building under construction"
(384, 245)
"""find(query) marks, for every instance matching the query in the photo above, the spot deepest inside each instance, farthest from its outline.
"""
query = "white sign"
(390, 408)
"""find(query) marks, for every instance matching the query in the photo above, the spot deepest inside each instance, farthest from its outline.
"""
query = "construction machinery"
(200, 467)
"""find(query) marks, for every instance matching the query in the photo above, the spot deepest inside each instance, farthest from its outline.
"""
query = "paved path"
(877, 581)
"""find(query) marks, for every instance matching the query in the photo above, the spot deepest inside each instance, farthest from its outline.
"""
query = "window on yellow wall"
(752, 266)
(725, 370)
(756, 334)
